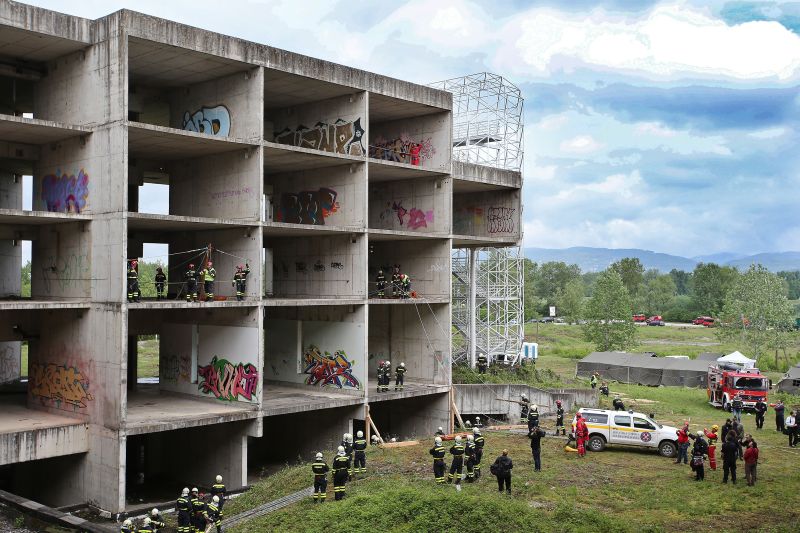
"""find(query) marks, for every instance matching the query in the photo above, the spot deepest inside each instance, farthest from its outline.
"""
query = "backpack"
(495, 469)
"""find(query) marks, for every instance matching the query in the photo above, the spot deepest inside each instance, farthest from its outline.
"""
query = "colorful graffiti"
(500, 220)
(214, 121)
(307, 207)
(59, 384)
(65, 193)
(226, 381)
(328, 370)
(411, 219)
(341, 137)
(402, 149)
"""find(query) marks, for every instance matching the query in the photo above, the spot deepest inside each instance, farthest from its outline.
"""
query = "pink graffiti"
(227, 381)
(418, 219)
(65, 193)
(403, 149)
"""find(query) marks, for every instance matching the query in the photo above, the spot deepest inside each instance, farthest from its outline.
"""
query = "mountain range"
(597, 259)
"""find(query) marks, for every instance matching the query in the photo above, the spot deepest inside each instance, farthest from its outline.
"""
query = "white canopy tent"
(737, 358)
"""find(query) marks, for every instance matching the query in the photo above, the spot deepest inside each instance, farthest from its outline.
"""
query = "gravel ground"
(7, 526)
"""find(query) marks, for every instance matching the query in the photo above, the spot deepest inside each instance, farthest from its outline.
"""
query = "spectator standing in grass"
(750, 463)
(791, 429)
(779, 411)
(730, 450)
(502, 469)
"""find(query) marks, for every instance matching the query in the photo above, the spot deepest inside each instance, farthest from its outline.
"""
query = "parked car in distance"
(706, 321)
(639, 318)
(547, 320)
(656, 320)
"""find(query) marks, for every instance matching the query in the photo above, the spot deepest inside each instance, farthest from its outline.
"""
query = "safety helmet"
(359, 434)
(470, 438)
(476, 431)
(715, 427)
(215, 499)
(239, 267)
(194, 490)
(154, 512)
(524, 398)
(393, 439)
(134, 262)
(185, 491)
(477, 419)
(402, 364)
(458, 438)
(438, 441)
(146, 521)
(699, 433)
(558, 402)
(340, 449)
(318, 456)
(535, 407)
(210, 263)
(127, 522)
(191, 265)
(440, 429)
(219, 478)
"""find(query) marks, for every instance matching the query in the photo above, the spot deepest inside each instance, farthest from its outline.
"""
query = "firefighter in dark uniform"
(320, 469)
(218, 489)
(479, 442)
(214, 513)
(399, 375)
(381, 281)
(396, 281)
(157, 521)
(184, 507)
(457, 465)
(560, 418)
(483, 363)
(439, 432)
(198, 511)
(438, 460)
(347, 443)
(133, 281)
(405, 286)
(617, 403)
(240, 281)
(161, 281)
(147, 525)
(526, 405)
(360, 447)
(191, 283)
(341, 464)
(533, 417)
(209, 274)
(127, 526)
(469, 453)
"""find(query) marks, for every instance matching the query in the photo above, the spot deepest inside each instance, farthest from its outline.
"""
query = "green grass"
(23, 360)
(148, 358)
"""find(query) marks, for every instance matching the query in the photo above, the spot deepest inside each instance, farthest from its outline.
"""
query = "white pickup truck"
(628, 428)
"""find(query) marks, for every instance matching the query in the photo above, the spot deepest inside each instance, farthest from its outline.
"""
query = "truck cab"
(627, 428)
(725, 383)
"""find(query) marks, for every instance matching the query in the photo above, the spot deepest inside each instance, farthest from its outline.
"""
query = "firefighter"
(482, 363)
(533, 417)
(184, 507)
(240, 281)
(478, 423)
(191, 283)
(360, 447)
(560, 418)
(379, 376)
(699, 449)
(438, 460)
(209, 274)
(387, 375)
(347, 443)
(593, 381)
(399, 375)
(604, 388)
(374, 440)
(133, 281)
(381, 282)
(161, 281)
(218, 489)
(712, 445)
(469, 453)
(526, 405)
(214, 513)
(581, 434)
(157, 521)
(617, 403)
(198, 511)
(683, 443)
(127, 526)
(405, 285)
(147, 525)
(457, 465)
(341, 464)
(479, 443)
(320, 469)
(396, 281)
(761, 411)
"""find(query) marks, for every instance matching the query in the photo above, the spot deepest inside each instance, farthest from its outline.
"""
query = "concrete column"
(133, 361)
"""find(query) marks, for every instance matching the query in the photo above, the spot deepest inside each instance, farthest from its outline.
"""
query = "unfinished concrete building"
(316, 174)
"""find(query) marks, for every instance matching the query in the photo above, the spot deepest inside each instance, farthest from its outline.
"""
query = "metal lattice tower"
(487, 120)
(492, 306)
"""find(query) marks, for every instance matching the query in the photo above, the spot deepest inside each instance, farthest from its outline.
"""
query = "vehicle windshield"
(750, 383)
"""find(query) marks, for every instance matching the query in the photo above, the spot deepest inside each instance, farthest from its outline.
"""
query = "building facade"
(315, 174)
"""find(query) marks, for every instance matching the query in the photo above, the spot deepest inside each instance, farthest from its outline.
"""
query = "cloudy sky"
(670, 126)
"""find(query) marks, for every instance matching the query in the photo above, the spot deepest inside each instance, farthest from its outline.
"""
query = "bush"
(680, 309)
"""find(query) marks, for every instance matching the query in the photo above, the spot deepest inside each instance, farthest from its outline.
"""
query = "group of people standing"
(384, 376)
(350, 459)
(192, 277)
(401, 284)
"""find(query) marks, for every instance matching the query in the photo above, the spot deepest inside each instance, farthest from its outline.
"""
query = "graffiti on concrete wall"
(341, 137)
(328, 370)
(226, 381)
(175, 368)
(65, 193)
(214, 120)
(408, 218)
(500, 220)
(64, 271)
(402, 149)
(59, 384)
(9, 364)
(307, 207)
(337, 265)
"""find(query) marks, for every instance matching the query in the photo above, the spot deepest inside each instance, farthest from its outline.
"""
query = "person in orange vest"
(581, 434)
(712, 445)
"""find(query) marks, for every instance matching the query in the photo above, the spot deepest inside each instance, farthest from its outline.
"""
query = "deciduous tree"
(608, 314)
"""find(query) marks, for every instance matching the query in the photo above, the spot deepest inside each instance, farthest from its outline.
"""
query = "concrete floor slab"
(410, 301)
(16, 416)
(286, 158)
(285, 399)
(379, 235)
(380, 170)
(149, 411)
(165, 223)
(411, 390)
(20, 217)
(49, 305)
(159, 142)
(466, 241)
(284, 229)
(299, 302)
(36, 131)
(149, 303)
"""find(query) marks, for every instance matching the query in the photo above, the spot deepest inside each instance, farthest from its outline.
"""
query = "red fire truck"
(726, 381)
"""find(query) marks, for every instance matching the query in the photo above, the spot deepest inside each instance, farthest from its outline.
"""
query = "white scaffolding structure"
(488, 304)
(487, 120)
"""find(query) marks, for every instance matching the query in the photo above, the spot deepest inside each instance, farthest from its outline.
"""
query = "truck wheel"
(596, 443)
(667, 448)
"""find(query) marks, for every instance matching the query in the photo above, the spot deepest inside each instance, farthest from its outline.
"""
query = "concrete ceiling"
(37, 132)
(19, 217)
(16, 44)
(285, 158)
(152, 63)
(282, 89)
(391, 171)
(158, 142)
(465, 186)
(383, 235)
(169, 223)
(383, 108)
(278, 230)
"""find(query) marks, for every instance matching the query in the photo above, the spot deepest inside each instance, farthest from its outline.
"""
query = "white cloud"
(655, 128)
(621, 186)
(769, 133)
(582, 144)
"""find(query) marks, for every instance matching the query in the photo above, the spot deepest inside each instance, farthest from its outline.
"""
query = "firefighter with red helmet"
(191, 283)
(240, 281)
(133, 281)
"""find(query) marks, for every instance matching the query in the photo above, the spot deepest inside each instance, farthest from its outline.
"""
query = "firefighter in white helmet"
(127, 526)
(399, 376)
(147, 526)
(360, 450)
(320, 469)
(214, 513)
(156, 520)
(341, 464)
(457, 464)
(218, 489)
(347, 443)
(184, 507)
(438, 452)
